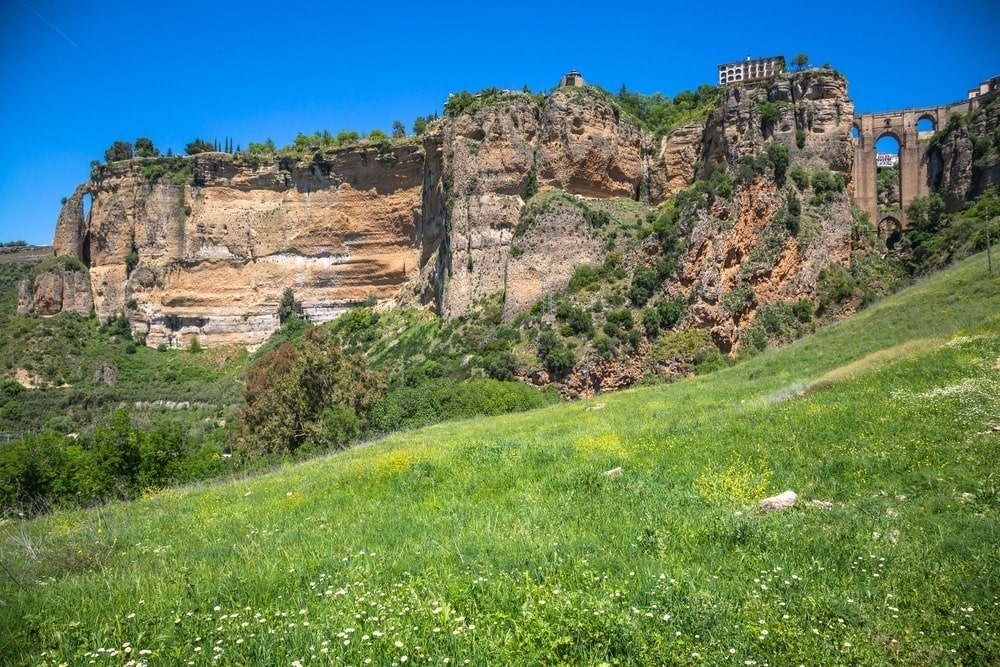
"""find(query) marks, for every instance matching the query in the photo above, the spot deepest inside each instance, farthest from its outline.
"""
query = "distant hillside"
(29, 254)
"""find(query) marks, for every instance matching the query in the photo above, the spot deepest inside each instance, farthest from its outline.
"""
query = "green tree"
(800, 62)
(777, 153)
(419, 125)
(398, 129)
(198, 145)
(261, 148)
(120, 150)
(144, 148)
(298, 392)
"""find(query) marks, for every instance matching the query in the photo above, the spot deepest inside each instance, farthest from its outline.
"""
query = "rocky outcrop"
(207, 253)
(580, 144)
(59, 289)
(814, 102)
(588, 149)
(964, 161)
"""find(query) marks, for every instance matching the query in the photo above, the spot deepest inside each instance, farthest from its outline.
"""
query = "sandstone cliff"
(204, 246)
(58, 286)
(965, 161)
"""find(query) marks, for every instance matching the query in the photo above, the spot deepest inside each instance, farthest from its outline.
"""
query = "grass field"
(501, 541)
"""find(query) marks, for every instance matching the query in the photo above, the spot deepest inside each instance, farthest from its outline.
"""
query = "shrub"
(670, 311)
(458, 102)
(119, 150)
(500, 365)
(442, 399)
(651, 321)
(800, 177)
(644, 283)
(768, 115)
(560, 361)
(738, 299)
(777, 154)
(800, 139)
(835, 286)
(198, 145)
(578, 319)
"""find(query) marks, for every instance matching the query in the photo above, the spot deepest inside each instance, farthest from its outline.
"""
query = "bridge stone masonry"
(913, 160)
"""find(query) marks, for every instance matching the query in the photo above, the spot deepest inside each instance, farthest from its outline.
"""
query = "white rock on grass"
(778, 502)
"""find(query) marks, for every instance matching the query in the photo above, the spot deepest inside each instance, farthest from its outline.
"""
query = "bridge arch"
(912, 129)
(926, 122)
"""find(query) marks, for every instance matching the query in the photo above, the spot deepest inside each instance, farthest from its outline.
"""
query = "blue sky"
(74, 77)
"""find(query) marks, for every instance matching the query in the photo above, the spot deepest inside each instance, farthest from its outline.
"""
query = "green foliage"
(380, 139)
(927, 216)
(800, 177)
(578, 320)
(956, 123)
(778, 323)
(531, 188)
(289, 390)
(198, 145)
(262, 148)
(645, 282)
(660, 114)
(119, 150)
(800, 61)
(554, 354)
(651, 322)
(500, 365)
(800, 141)
(769, 114)
(442, 399)
(721, 184)
(458, 103)
(835, 286)
(779, 157)
(739, 299)
(287, 305)
(826, 186)
(937, 239)
(144, 148)
(670, 311)
(116, 461)
(398, 129)
(789, 216)
(420, 125)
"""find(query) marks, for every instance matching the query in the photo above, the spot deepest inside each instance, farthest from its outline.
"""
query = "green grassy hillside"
(502, 541)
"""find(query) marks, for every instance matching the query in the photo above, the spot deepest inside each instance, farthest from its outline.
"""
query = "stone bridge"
(913, 160)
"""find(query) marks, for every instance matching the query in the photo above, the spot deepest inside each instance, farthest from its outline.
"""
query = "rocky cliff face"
(59, 288)
(579, 143)
(205, 246)
(210, 253)
(966, 161)
(754, 249)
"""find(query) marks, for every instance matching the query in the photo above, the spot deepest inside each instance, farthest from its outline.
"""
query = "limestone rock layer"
(204, 247)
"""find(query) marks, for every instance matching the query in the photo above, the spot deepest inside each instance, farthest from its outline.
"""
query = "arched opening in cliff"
(855, 132)
(926, 124)
(891, 231)
(887, 172)
(87, 201)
